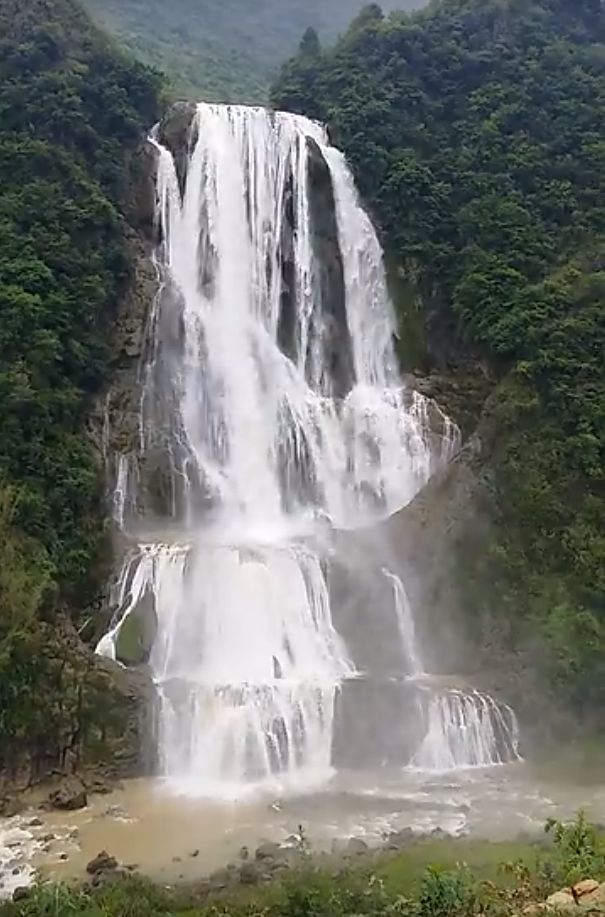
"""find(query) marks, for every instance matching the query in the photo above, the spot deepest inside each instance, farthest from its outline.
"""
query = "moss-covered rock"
(137, 633)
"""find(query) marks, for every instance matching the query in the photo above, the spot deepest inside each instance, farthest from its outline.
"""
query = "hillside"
(72, 109)
(225, 51)
(476, 132)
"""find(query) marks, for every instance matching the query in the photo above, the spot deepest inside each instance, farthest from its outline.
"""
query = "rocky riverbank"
(558, 873)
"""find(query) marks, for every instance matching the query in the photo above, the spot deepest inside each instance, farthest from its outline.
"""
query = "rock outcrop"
(176, 135)
(135, 638)
(92, 718)
(585, 897)
(335, 336)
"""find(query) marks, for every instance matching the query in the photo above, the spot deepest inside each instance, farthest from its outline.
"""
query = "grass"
(433, 878)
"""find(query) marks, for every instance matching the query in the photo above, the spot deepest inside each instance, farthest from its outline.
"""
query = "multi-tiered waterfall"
(271, 413)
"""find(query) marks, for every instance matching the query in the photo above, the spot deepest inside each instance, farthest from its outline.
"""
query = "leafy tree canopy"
(70, 108)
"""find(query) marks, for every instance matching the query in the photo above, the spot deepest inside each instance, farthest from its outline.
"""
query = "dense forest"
(227, 51)
(476, 129)
(71, 107)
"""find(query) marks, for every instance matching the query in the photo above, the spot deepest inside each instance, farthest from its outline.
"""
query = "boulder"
(249, 874)
(585, 887)
(349, 847)
(69, 796)
(398, 839)
(219, 880)
(356, 846)
(137, 633)
(10, 806)
(101, 863)
(268, 851)
(587, 896)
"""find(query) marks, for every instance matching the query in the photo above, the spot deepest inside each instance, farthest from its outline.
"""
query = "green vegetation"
(227, 51)
(443, 879)
(71, 107)
(476, 129)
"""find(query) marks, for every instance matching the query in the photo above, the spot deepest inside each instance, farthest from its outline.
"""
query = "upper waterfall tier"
(272, 390)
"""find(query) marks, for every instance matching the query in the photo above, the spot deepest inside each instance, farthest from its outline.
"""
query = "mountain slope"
(225, 50)
(72, 110)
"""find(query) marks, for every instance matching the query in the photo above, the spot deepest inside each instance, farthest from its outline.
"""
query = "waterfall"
(271, 412)
(467, 729)
(405, 623)
(462, 728)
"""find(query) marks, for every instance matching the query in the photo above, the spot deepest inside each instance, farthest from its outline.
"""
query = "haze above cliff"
(226, 51)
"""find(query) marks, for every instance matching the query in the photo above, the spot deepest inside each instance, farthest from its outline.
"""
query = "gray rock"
(268, 851)
(10, 805)
(398, 839)
(109, 876)
(69, 796)
(356, 846)
(176, 134)
(35, 822)
(101, 863)
(352, 846)
(249, 874)
(21, 893)
(136, 636)
(219, 879)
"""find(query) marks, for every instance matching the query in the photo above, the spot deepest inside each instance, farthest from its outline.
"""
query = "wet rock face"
(137, 633)
(139, 202)
(335, 337)
(176, 135)
(286, 328)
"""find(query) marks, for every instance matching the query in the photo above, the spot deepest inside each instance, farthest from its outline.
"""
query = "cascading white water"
(462, 728)
(466, 729)
(271, 410)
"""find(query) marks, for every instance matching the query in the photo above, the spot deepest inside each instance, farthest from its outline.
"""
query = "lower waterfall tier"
(255, 685)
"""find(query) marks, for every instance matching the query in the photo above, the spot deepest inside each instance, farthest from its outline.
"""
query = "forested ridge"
(228, 51)
(476, 130)
(71, 107)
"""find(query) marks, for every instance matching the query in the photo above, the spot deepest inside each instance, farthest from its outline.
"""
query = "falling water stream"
(271, 412)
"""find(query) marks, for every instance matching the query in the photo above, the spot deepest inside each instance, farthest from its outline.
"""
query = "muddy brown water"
(171, 836)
